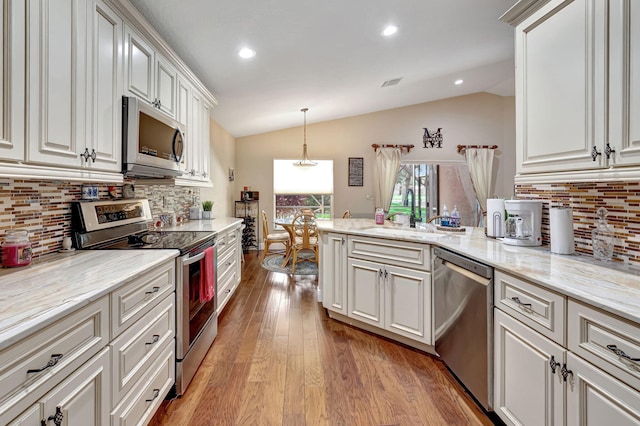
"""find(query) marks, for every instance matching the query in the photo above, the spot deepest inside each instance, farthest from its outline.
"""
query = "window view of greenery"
(413, 193)
(288, 204)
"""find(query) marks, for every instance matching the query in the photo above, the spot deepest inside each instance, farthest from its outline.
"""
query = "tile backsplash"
(621, 199)
(44, 207)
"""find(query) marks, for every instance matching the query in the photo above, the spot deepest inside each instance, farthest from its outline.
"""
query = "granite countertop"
(613, 288)
(34, 296)
(217, 225)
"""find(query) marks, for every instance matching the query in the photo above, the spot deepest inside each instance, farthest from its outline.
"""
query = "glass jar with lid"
(16, 248)
(602, 237)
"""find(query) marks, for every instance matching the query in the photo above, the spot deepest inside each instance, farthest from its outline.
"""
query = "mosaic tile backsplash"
(44, 207)
(621, 199)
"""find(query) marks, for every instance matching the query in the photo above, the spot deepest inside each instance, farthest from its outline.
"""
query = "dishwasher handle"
(475, 277)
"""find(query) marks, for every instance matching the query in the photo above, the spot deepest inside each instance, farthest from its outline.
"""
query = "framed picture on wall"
(356, 166)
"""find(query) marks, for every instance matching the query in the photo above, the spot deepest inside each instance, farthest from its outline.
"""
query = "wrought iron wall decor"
(432, 139)
(356, 166)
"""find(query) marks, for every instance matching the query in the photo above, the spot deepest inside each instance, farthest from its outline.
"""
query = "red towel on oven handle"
(208, 276)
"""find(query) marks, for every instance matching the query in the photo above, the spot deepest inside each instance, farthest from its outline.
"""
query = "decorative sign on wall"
(432, 139)
(356, 165)
(232, 174)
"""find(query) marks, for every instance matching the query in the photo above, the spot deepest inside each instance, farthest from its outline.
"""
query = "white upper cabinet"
(74, 85)
(12, 48)
(195, 107)
(148, 75)
(578, 90)
(56, 85)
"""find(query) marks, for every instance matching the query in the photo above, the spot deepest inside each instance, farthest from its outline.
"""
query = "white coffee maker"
(523, 223)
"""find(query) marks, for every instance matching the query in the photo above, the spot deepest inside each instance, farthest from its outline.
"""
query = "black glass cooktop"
(185, 241)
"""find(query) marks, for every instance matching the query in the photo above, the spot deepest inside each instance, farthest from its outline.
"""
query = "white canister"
(195, 213)
(495, 217)
(402, 219)
(561, 230)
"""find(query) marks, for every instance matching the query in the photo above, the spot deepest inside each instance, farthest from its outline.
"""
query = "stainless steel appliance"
(152, 142)
(124, 224)
(463, 310)
(523, 223)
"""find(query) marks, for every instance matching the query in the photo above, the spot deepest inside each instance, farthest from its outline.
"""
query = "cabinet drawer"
(227, 242)
(140, 404)
(131, 302)
(76, 338)
(407, 254)
(605, 340)
(226, 262)
(226, 286)
(539, 308)
(138, 347)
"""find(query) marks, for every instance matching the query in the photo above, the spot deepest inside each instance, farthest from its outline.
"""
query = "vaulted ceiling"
(331, 57)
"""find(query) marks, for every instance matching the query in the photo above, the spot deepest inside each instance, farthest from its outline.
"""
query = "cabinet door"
(205, 140)
(193, 149)
(526, 390)
(139, 60)
(624, 82)
(12, 68)
(596, 398)
(365, 298)
(83, 398)
(560, 86)
(56, 85)
(104, 86)
(166, 86)
(183, 112)
(334, 272)
(408, 303)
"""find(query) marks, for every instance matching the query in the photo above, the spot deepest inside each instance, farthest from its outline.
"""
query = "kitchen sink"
(419, 233)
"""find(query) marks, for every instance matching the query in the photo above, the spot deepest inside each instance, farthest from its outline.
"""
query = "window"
(297, 188)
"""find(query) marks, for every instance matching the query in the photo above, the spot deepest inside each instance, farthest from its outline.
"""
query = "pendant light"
(305, 162)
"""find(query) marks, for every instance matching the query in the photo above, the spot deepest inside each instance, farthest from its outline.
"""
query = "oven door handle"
(193, 259)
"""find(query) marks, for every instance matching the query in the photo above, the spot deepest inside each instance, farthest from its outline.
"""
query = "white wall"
(223, 156)
(478, 119)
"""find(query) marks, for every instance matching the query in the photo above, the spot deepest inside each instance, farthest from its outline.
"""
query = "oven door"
(193, 316)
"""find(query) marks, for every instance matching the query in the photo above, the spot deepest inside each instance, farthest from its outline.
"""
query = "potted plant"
(206, 209)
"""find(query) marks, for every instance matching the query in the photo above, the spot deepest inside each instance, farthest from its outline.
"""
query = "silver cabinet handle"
(155, 290)
(520, 303)
(53, 361)
(156, 393)
(155, 339)
(620, 353)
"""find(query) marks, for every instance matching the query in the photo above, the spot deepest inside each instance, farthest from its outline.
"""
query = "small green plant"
(207, 206)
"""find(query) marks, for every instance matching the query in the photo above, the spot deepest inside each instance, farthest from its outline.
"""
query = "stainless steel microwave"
(152, 142)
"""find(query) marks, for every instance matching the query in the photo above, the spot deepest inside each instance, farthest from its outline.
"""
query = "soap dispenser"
(602, 237)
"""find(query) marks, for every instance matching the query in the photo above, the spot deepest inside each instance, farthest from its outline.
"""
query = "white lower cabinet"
(390, 297)
(333, 273)
(229, 258)
(590, 380)
(75, 372)
(81, 399)
(526, 389)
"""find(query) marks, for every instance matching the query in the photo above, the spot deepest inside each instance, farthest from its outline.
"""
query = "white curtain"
(480, 163)
(387, 166)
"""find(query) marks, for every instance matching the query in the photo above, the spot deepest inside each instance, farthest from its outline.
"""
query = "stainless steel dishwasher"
(463, 303)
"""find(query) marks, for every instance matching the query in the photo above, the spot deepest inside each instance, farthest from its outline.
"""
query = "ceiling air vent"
(391, 82)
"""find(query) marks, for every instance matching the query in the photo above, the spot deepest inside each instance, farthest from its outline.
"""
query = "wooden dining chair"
(273, 237)
(305, 238)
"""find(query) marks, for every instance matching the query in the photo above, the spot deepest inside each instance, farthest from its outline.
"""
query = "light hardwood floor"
(279, 359)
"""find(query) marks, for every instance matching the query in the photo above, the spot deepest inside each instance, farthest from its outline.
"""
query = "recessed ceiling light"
(247, 53)
(458, 82)
(390, 30)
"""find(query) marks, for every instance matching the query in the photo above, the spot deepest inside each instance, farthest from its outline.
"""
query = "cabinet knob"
(608, 151)
(595, 153)
(86, 155)
(93, 155)
(565, 372)
(553, 364)
(57, 418)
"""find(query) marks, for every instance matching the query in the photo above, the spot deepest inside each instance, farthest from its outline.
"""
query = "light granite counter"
(599, 284)
(217, 225)
(34, 296)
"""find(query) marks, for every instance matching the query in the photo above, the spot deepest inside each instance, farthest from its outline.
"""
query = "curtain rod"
(375, 146)
(461, 148)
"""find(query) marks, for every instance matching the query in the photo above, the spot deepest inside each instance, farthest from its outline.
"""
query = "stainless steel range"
(125, 224)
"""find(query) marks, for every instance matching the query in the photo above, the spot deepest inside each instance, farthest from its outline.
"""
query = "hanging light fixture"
(305, 162)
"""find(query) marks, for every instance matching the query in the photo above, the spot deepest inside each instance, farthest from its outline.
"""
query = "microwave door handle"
(178, 139)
